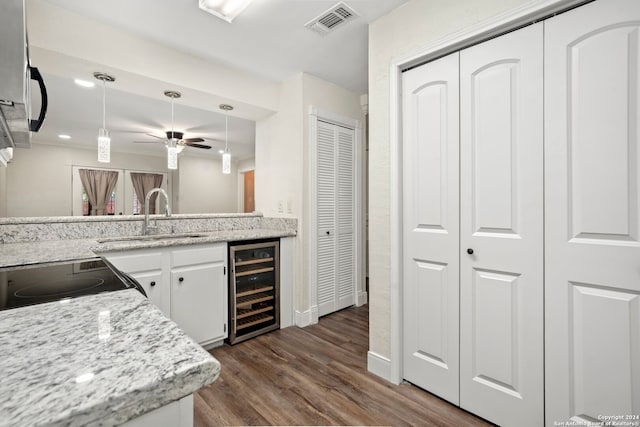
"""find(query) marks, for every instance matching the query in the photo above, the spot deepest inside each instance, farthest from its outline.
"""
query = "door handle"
(470, 251)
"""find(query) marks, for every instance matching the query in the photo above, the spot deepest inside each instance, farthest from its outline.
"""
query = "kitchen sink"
(151, 237)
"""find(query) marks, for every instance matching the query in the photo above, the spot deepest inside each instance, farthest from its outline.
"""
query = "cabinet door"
(430, 227)
(151, 282)
(592, 199)
(146, 266)
(199, 301)
(501, 228)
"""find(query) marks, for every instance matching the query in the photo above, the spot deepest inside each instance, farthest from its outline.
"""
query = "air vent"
(331, 19)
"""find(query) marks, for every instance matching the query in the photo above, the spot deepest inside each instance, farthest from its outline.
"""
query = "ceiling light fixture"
(104, 142)
(224, 9)
(226, 157)
(172, 143)
(84, 83)
(63, 136)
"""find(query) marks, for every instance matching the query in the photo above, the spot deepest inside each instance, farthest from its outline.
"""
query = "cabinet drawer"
(132, 263)
(199, 255)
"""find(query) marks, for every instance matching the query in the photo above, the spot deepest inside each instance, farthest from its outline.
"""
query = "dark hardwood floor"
(315, 376)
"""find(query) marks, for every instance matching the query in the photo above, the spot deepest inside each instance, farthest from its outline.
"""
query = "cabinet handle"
(470, 251)
(152, 283)
(328, 232)
(180, 279)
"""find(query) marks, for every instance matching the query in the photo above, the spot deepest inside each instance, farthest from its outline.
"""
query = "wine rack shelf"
(254, 283)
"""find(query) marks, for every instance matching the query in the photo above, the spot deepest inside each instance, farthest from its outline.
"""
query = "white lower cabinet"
(199, 292)
(189, 285)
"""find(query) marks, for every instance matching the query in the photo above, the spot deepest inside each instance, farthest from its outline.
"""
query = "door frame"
(315, 115)
(532, 11)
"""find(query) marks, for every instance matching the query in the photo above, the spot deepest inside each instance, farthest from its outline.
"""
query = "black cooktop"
(38, 284)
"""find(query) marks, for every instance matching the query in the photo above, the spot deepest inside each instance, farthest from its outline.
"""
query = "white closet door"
(335, 218)
(345, 216)
(592, 198)
(430, 227)
(501, 221)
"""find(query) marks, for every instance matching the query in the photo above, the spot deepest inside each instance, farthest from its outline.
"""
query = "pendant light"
(172, 144)
(104, 142)
(226, 156)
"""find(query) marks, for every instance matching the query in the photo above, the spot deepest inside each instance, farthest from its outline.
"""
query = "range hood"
(15, 76)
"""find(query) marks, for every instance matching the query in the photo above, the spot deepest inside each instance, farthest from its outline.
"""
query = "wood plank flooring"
(315, 376)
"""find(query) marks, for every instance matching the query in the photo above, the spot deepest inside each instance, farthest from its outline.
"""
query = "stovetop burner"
(38, 284)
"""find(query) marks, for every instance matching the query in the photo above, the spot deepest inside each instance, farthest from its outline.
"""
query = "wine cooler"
(254, 289)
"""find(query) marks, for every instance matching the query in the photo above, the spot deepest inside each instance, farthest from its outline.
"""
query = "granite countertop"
(17, 255)
(100, 359)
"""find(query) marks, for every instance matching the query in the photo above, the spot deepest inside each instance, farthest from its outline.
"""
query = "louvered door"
(335, 218)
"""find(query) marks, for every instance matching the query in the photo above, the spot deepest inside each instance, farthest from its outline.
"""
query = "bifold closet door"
(592, 199)
(335, 218)
(430, 227)
(501, 228)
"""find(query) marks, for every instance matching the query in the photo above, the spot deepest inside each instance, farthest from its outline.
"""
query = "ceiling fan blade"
(155, 136)
(193, 140)
(194, 145)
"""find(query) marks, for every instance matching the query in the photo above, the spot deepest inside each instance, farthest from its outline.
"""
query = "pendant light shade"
(104, 141)
(172, 144)
(226, 156)
(172, 155)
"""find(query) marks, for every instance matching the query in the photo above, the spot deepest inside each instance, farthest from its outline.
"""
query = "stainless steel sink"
(150, 238)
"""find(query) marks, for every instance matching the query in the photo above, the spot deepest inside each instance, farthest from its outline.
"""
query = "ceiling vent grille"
(332, 18)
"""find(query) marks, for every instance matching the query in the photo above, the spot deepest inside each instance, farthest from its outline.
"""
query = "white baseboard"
(361, 298)
(379, 365)
(307, 317)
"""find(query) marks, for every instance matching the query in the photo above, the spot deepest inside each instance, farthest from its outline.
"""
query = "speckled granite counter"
(139, 359)
(15, 255)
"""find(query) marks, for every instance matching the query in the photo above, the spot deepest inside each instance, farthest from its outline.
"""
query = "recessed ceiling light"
(224, 9)
(63, 136)
(221, 151)
(84, 83)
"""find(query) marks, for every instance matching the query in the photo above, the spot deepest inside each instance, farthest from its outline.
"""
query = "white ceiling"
(268, 40)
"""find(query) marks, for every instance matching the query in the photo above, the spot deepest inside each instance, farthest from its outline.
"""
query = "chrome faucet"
(167, 210)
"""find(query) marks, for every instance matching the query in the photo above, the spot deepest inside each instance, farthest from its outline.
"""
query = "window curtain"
(98, 184)
(142, 184)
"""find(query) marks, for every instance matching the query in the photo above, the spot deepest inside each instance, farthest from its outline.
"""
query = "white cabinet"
(199, 292)
(146, 266)
(189, 285)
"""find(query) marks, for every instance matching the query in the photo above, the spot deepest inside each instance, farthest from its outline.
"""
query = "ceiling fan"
(173, 135)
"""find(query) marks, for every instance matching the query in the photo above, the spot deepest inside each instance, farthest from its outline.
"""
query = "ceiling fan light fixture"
(224, 9)
(104, 141)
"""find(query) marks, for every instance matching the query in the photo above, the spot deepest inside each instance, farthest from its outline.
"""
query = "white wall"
(278, 162)
(39, 180)
(282, 151)
(402, 31)
(203, 188)
(57, 36)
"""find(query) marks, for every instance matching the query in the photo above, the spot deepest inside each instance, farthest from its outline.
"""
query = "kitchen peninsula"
(108, 358)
